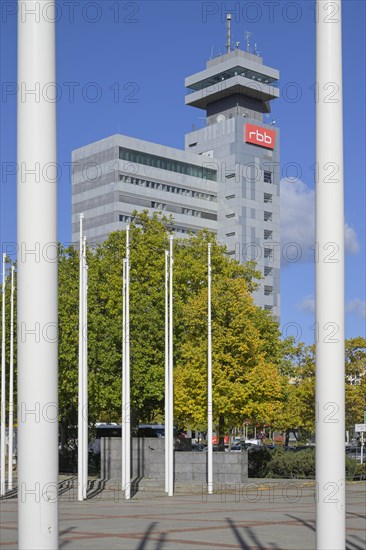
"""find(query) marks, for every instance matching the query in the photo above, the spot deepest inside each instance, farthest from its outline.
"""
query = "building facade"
(226, 180)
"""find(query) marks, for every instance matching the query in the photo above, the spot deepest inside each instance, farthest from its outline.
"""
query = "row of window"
(267, 176)
(268, 235)
(168, 188)
(181, 230)
(175, 229)
(164, 163)
(186, 211)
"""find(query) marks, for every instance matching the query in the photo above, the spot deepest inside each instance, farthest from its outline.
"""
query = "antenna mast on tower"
(247, 36)
(228, 25)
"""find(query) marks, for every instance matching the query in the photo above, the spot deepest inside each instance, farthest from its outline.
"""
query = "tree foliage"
(257, 376)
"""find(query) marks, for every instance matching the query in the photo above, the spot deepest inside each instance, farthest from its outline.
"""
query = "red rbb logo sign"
(260, 136)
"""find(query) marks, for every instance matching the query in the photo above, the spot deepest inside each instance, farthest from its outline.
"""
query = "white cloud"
(307, 304)
(298, 219)
(350, 238)
(357, 306)
(298, 215)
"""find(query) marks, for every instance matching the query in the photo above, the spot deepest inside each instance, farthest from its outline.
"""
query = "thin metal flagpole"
(123, 460)
(11, 385)
(3, 382)
(209, 381)
(85, 372)
(128, 404)
(171, 382)
(329, 222)
(166, 370)
(81, 365)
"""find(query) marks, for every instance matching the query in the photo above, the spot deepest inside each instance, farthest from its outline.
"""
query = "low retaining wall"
(148, 463)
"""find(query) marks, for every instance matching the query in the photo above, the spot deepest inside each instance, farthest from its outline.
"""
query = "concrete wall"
(148, 463)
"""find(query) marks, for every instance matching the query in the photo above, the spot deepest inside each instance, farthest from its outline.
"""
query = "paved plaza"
(257, 515)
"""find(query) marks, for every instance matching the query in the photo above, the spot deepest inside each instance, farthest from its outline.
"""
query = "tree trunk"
(221, 443)
(63, 433)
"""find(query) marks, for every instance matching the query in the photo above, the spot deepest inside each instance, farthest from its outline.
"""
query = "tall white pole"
(209, 382)
(123, 461)
(37, 283)
(3, 387)
(85, 372)
(128, 404)
(11, 385)
(171, 382)
(330, 355)
(81, 365)
(166, 370)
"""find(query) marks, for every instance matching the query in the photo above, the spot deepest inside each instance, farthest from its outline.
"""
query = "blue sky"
(121, 68)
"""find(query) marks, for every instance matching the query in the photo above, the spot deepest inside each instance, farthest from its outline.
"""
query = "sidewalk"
(266, 516)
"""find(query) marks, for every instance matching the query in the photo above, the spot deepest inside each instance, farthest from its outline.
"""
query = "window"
(267, 198)
(229, 176)
(267, 216)
(125, 219)
(268, 253)
(193, 144)
(163, 163)
(268, 271)
(158, 205)
(268, 308)
(268, 235)
(268, 290)
(230, 197)
(267, 176)
(168, 188)
(230, 215)
(232, 234)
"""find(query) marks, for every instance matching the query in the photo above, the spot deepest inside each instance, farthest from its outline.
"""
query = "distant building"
(226, 179)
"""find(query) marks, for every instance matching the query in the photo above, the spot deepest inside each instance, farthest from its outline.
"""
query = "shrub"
(258, 460)
(294, 465)
(354, 470)
(298, 465)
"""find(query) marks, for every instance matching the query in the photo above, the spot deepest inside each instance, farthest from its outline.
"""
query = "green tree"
(149, 239)
(246, 382)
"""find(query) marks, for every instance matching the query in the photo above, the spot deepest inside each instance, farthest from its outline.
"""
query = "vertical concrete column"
(330, 368)
(37, 280)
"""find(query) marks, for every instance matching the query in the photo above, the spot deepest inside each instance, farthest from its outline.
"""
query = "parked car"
(355, 453)
(198, 448)
(254, 441)
(236, 449)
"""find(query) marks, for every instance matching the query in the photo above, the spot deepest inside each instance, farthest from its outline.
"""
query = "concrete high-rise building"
(226, 179)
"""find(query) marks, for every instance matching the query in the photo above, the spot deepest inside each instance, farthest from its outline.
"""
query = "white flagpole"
(123, 461)
(3, 382)
(11, 385)
(85, 372)
(330, 353)
(209, 382)
(37, 282)
(128, 404)
(81, 366)
(171, 382)
(166, 370)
